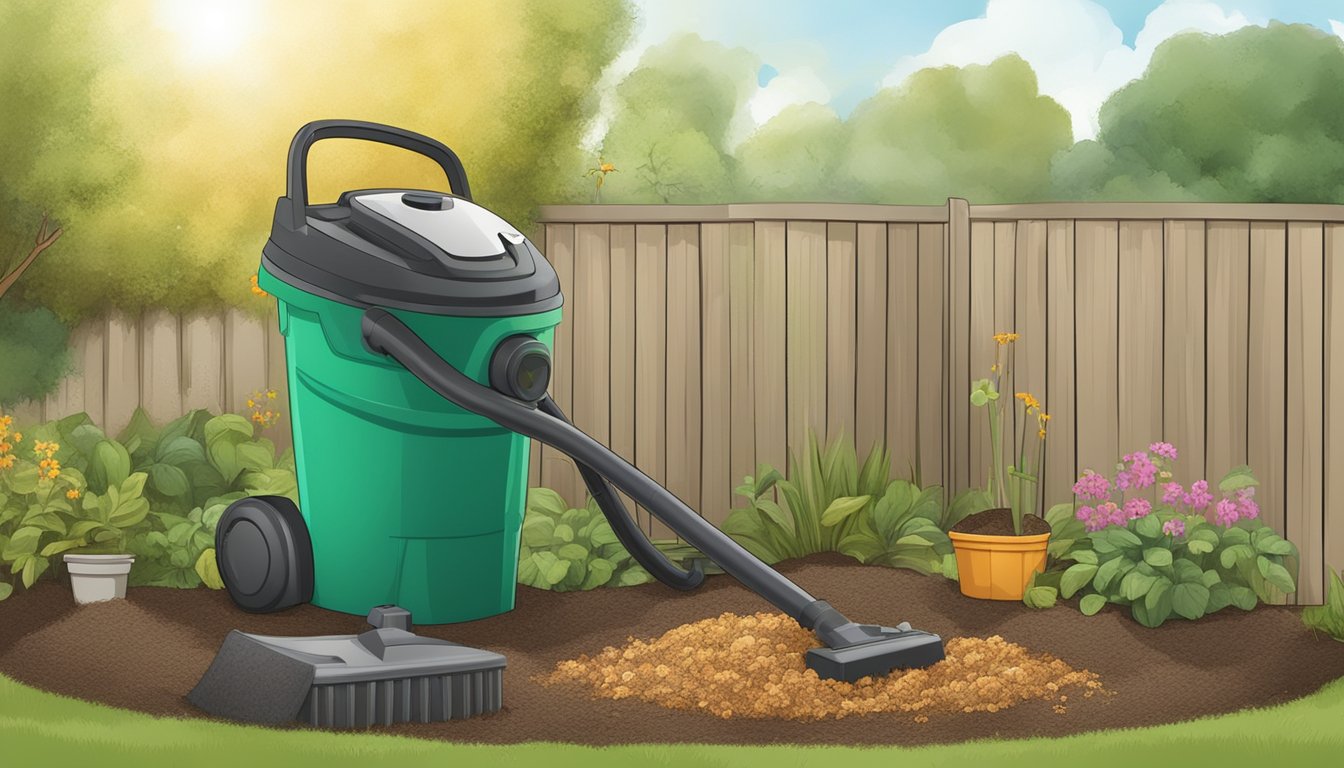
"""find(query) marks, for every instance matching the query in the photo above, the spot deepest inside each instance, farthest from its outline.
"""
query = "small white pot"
(95, 578)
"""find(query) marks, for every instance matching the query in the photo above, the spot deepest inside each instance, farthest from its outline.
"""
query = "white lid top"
(465, 230)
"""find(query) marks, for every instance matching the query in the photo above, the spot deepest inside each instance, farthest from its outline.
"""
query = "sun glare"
(208, 30)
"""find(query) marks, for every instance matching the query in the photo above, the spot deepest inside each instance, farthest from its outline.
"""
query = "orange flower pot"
(997, 567)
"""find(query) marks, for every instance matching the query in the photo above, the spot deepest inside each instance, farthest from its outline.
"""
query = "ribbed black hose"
(385, 334)
(633, 539)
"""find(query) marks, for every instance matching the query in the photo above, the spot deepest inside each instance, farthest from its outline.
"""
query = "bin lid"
(411, 249)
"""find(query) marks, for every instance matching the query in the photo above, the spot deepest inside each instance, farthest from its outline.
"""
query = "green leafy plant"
(1166, 560)
(156, 493)
(1328, 618)
(566, 549)
(833, 504)
(824, 501)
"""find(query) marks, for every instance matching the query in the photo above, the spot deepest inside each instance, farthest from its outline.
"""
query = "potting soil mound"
(753, 666)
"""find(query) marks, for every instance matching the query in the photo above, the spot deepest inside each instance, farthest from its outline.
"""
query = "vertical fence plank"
(1333, 533)
(841, 334)
(769, 344)
(557, 470)
(1305, 477)
(806, 332)
(203, 362)
(538, 237)
(1096, 348)
(244, 358)
(1228, 285)
(933, 403)
(904, 368)
(982, 348)
(1005, 319)
(1061, 468)
(160, 366)
(1183, 347)
(122, 366)
(85, 378)
(1140, 385)
(27, 414)
(683, 363)
(870, 371)
(716, 374)
(591, 310)
(959, 344)
(1265, 436)
(623, 351)
(741, 355)
(1030, 323)
(590, 338)
(651, 357)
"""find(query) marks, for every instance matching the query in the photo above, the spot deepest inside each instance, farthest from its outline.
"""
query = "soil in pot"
(999, 522)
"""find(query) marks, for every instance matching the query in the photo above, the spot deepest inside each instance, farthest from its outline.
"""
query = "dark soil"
(999, 522)
(146, 652)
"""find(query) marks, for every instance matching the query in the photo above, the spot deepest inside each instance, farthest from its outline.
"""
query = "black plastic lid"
(404, 248)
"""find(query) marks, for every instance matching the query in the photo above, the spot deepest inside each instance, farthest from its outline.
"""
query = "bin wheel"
(265, 556)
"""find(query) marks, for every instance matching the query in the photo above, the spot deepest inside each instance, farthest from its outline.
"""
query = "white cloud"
(1078, 53)
(1338, 28)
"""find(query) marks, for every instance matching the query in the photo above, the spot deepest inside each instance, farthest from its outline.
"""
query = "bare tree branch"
(44, 240)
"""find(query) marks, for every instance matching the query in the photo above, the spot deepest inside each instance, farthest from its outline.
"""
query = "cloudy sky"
(838, 52)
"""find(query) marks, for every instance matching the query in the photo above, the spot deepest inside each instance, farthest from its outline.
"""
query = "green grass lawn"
(38, 728)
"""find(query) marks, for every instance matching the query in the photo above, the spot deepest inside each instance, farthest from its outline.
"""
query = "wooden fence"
(699, 341)
(168, 365)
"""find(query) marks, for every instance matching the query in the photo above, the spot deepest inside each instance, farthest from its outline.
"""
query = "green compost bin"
(407, 498)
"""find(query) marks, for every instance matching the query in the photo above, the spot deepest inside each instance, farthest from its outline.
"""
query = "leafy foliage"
(33, 346)
(1159, 575)
(566, 549)
(1328, 618)
(112, 107)
(1208, 121)
(155, 493)
(834, 505)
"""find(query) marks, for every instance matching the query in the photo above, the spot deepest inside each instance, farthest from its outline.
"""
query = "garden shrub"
(156, 493)
(566, 549)
(1328, 618)
(33, 346)
(1160, 556)
(834, 505)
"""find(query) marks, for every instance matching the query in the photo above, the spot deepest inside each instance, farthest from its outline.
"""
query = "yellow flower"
(251, 403)
(6, 461)
(1031, 402)
(54, 473)
(606, 167)
(72, 494)
(18, 437)
(1005, 338)
(270, 394)
(256, 289)
(1042, 434)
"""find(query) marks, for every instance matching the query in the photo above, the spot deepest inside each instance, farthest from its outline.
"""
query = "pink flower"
(1095, 521)
(1165, 450)
(1246, 506)
(1112, 513)
(1136, 508)
(1092, 486)
(1172, 493)
(1199, 496)
(1226, 512)
(1084, 512)
(1174, 527)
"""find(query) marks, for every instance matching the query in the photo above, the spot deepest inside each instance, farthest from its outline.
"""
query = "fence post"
(956, 360)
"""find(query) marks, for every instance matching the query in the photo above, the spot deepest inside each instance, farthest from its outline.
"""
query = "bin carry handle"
(385, 334)
(296, 184)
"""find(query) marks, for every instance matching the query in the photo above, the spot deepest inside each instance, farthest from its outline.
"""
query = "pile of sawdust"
(752, 666)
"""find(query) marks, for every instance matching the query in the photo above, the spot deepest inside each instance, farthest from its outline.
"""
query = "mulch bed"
(146, 652)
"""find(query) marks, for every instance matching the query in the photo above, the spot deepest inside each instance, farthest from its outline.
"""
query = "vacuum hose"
(387, 335)
(634, 540)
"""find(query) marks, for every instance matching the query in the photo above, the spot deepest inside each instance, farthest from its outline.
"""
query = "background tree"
(980, 132)
(796, 156)
(670, 129)
(1254, 115)
(506, 83)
